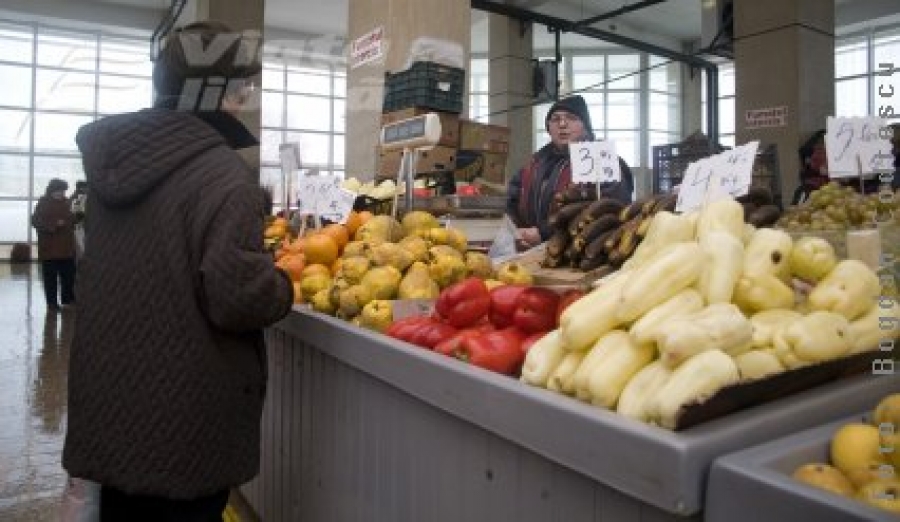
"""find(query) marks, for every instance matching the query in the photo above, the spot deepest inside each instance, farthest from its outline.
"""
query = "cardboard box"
(481, 136)
(449, 122)
(489, 166)
(437, 159)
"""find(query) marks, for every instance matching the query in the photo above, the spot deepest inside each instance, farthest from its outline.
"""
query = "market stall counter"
(361, 427)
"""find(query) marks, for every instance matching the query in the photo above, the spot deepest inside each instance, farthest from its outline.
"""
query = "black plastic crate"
(671, 161)
(425, 84)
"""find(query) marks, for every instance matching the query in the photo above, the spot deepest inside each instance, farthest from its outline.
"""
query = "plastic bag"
(81, 501)
(427, 49)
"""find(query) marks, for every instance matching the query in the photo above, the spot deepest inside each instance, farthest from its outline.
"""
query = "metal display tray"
(656, 466)
(756, 484)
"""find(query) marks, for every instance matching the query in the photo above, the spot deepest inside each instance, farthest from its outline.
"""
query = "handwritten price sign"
(725, 175)
(594, 162)
(857, 146)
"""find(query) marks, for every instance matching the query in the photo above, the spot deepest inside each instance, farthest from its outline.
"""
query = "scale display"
(416, 132)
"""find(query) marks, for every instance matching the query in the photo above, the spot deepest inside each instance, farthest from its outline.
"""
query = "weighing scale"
(411, 135)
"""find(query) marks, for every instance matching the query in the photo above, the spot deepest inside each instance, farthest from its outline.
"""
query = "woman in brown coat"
(55, 225)
(167, 374)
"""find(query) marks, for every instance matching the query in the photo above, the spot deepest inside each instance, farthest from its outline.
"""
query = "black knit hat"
(575, 105)
(56, 185)
(204, 52)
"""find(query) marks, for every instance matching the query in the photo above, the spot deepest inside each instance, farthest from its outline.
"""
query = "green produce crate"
(425, 84)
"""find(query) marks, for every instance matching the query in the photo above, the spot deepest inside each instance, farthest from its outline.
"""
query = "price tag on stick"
(594, 162)
(694, 185)
(857, 146)
(307, 195)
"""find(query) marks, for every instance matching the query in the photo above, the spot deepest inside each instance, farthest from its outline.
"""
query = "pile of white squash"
(706, 302)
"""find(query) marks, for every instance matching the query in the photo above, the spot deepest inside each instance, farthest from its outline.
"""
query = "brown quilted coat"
(168, 369)
(55, 225)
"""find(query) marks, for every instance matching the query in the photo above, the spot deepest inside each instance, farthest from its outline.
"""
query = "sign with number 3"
(594, 162)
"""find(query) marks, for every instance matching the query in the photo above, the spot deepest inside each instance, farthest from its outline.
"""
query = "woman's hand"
(528, 237)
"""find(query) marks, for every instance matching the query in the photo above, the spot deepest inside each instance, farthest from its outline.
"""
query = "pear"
(383, 281)
(824, 477)
(513, 273)
(392, 254)
(321, 302)
(380, 228)
(882, 494)
(479, 265)
(338, 285)
(856, 451)
(356, 249)
(353, 268)
(417, 283)
(438, 236)
(418, 220)
(416, 246)
(352, 300)
(313, 284)
(886, 418)
(443, 250)
(457, 239)
(376, 315)
(446, 270)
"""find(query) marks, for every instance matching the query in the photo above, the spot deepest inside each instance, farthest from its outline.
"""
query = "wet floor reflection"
(34, 352)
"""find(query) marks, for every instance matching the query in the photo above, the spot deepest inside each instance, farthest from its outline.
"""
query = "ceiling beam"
(616, 12)
(592, 32)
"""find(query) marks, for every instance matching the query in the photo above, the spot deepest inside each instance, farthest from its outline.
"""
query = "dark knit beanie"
(56, 185)
(207, 54)
(575, 105)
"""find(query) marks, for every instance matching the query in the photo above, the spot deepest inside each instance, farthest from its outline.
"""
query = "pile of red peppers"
(491, 329)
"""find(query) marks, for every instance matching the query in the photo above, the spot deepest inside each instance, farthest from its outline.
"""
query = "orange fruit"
(365, 216)
(293, 264)
(314, 269)
(336, 266)
(321, 249)
(354, 221)
(295, 246)
(339, 233)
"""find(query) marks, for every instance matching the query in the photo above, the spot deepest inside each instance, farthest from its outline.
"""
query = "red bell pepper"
(465, 303)
(429, 335)
(404, 328)
(530, 340)
(566, 298)
(450, 346)
(499, 351)
(536, 310)
(503, 304)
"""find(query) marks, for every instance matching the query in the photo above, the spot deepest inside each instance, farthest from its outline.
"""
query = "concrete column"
(784, 57)
(692, 115)
(403, 21)
(510, 51)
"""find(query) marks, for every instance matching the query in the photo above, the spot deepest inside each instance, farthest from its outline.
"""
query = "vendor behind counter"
(549, 171)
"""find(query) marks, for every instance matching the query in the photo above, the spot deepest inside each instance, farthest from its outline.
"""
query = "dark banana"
(567, 214)
(597, 227)
(557, 243)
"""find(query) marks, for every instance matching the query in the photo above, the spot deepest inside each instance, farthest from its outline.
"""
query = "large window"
(860, 63)
(302, 102)
(633, 100)
(54, 81)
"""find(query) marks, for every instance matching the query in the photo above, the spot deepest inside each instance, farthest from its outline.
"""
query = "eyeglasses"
(560, 117)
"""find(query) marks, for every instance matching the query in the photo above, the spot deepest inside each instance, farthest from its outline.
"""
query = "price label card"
(340, 205)
(289, 153)
(733, 172)
(695, 185)
(307, 195)
(594, 162)
(403, 308)
(857, 146)
(326, 186)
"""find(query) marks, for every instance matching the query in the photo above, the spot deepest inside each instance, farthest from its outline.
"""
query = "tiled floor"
(34, 354)
(34, 351)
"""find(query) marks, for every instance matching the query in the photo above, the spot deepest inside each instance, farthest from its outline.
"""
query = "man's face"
(565, 127)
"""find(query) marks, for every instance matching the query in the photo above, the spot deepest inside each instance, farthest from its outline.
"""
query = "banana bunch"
(612, 249)
(579, 219)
